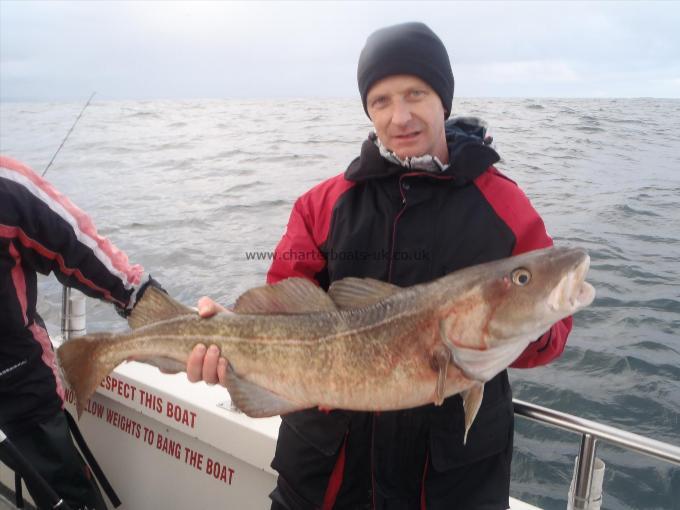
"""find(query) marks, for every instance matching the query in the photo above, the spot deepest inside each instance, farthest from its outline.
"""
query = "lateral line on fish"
(283, 341)
(378, 324)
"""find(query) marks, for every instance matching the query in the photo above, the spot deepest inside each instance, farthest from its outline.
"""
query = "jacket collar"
(470, 154)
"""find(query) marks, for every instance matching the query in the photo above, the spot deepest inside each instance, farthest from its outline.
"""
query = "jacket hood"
(470, 154)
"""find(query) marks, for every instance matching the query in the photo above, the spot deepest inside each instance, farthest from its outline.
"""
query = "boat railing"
(591, 432)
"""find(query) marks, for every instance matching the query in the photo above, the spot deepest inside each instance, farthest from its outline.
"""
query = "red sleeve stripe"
(19, 281)
(11, 232)
(513, 207)
(39, 334)
(319, 203)
(111, 257)
(48, 356)
(335, 481)
(298, 254)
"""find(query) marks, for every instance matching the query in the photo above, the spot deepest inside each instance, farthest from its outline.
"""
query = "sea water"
(199, 193)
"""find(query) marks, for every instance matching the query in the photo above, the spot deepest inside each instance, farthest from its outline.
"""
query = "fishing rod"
(9, 454)
(68, 134)
(66, 291)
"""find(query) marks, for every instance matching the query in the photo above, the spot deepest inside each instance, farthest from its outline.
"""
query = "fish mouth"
(573, 292)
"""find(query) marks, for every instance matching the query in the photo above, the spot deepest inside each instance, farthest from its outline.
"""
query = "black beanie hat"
(408, 48)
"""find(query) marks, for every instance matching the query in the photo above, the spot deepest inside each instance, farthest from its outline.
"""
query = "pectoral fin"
(441, 357)
(472, 400)
(484, 365)
(255, 401)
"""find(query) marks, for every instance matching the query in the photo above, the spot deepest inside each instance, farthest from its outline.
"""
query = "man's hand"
(207, 307)
(206, 364)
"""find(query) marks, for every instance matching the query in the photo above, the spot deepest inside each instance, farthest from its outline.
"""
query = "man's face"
(408, 117)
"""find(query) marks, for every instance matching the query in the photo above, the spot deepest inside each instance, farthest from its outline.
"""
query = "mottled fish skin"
(410, 347)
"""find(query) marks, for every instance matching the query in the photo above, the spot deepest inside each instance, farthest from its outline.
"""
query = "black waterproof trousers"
(413, 459)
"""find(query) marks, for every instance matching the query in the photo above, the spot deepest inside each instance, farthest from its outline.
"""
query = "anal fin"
(165, 364)
(255, 401)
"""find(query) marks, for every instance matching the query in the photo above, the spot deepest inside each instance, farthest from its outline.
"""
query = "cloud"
(62, 50)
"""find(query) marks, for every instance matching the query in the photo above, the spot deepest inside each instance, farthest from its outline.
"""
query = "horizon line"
(298, 98)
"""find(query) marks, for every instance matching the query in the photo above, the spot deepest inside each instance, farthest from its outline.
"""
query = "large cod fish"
(365, 345)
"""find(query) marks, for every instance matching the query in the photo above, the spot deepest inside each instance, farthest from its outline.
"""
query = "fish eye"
(521, 276)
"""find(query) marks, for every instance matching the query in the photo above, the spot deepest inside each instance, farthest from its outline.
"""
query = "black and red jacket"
(42, 231)
(381, 220)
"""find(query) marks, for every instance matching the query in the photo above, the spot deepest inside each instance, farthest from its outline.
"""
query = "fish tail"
(84, 365)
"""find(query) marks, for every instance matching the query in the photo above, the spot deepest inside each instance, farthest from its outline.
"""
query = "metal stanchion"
(585, 492)
(65, 312)
(72, 314)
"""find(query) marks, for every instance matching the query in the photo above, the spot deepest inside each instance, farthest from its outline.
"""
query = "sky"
(56, 51)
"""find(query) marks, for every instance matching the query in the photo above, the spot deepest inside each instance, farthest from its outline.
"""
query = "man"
(424, 193)
(41, 231)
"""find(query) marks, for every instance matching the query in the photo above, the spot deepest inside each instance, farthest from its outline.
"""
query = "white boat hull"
(166, 443)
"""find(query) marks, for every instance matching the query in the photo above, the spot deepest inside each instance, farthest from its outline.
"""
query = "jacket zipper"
(403, 208)
(394, 226)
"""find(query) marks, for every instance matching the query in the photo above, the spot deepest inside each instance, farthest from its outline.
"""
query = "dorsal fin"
(291, 296)
(353, 292)
(155, 306)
